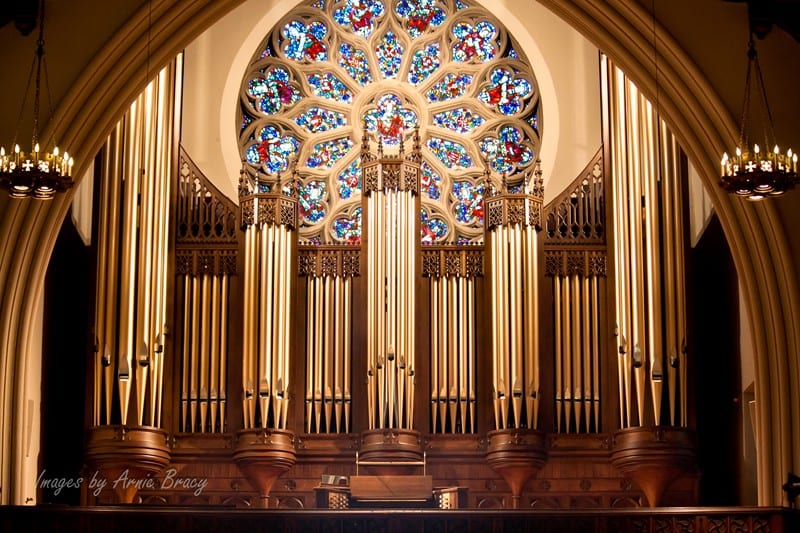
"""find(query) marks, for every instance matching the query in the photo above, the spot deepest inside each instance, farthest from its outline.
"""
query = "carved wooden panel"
(330, 260)
(585, 262)
(449, 261)
(577, 216)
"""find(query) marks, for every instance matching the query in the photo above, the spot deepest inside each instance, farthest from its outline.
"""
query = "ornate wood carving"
(585, 263)
(451, 260)
(329, 260)
(206, 241)
(577, 216)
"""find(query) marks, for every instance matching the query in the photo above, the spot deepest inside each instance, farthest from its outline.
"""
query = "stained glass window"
(446, 67)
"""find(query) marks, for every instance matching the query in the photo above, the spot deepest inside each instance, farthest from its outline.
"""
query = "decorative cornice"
(329, 261)
(452, 261)
(583, 263)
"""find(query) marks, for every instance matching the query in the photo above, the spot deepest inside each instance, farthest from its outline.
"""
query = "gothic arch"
(623, 30)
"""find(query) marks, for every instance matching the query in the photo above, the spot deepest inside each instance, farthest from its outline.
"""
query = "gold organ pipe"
(652, 243)
(371, 308)
(566, 326)
(586, 337)
(251, 369)
(145, 214)
(471, 351)
(193, 363)
(444, 351)
(215, 328)
(102, 289)
(533, 258)
(265, 308)
(381, 300)
(678, 260)
(403, 311)
(529, 297)
(391, 321)
(515, 332)
(412, 238)
(187, 341)
(275, 367)
(339, 333)
(246, 288)
(559, 349)
(504, 383)
(310, 328)
(128, 265)
(287, 269)
(346, 355)
(596, 351)
(205, 338)
(494, 251)
(616, 81)
(518, 268)
(670, 274)
(577, 382)
(223, 343)
(317, 396)
(463, 353)
(114, 177)
(637, 260)
(435, 322)
(452, 343)
(327, 353)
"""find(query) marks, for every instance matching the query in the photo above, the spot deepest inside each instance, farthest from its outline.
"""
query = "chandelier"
(37, 174)
(751, 172)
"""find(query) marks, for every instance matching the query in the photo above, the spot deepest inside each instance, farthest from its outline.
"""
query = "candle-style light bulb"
(756, 149)
(2, 151)
(16, 149)
(55, 151)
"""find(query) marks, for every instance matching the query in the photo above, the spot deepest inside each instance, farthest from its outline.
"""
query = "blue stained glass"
(468, 207)
(329, 86)
(463, 241)
(310, 198)
(313, 240)
(461, 5)
(354, 61)
(451, 153)
(319, 4)
(505, 92)
(350, 180)
(390, 119)
(474, 42)
(246, 121)
(423, 63)
(508, 150)
(460, 120)
(326, 154)
(272, 150)
(273, 91)
(317, 120)
(359, 16)
(348, 228)
(449, 87)
(390, 55)
(419, 15)
(512, 53)
(304, 43)
(431, 182)
(432, 229)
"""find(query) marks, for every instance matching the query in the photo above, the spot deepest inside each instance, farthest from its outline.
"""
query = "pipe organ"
(575, 260)
(512, 223)
(391, 237)
(269, 221)
(206, 250)
(649, 256)
(329, 276)
(133, 233)
(453, 272)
